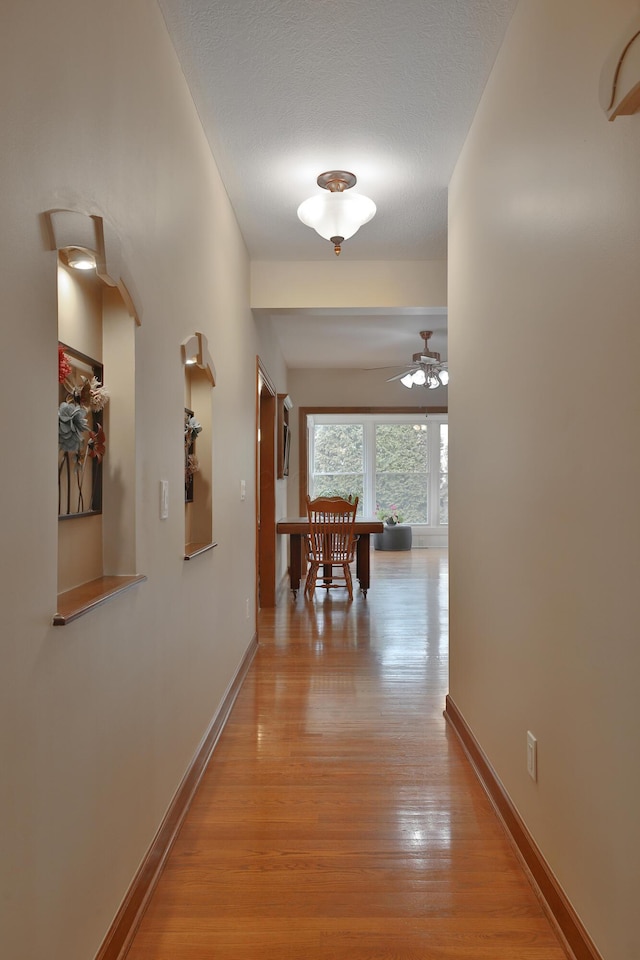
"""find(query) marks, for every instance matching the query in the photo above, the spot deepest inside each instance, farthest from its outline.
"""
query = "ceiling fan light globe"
(336, 214)
(407, 380)
(419, 378)
(444, 377)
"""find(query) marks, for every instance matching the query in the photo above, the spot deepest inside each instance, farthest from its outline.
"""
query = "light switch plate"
(164, 499)
(532, 756)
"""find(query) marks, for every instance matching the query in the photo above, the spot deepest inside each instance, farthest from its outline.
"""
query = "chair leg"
(347, 576)
(316, 573)
(310, 585)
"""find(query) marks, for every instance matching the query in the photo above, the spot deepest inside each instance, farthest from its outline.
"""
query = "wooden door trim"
(265, 519)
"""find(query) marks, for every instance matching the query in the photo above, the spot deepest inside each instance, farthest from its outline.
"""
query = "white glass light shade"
(419, 377)
(407, 380)
(444, 377)
(338, 214)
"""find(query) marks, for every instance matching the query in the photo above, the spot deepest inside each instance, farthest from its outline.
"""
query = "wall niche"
(96, 418)
(199, 379)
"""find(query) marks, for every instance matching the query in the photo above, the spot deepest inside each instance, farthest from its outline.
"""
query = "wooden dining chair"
(331, 543)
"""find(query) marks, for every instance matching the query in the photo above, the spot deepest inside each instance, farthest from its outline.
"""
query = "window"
(387, 460)
(401, 455)
(444, 473)
(337, 460)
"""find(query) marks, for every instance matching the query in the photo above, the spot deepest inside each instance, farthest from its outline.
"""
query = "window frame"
(309, 417)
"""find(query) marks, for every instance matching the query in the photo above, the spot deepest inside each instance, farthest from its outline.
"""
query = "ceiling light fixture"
(426, 370)
(80, 258)
(337, 214)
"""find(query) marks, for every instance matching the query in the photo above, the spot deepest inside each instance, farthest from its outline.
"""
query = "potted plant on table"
(396, 534)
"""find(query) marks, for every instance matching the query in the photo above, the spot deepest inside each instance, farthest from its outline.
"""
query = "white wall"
(99, 719)
(336, 284)
(543, 274)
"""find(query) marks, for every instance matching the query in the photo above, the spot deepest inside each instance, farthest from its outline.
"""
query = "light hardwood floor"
(339, 818)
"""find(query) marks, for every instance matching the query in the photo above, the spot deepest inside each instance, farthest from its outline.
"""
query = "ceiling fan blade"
(399, 376)
(387, 366)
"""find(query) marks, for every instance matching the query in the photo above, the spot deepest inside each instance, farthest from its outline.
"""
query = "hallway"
(339, 817)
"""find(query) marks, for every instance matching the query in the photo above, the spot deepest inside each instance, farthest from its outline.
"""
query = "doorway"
(265, 488)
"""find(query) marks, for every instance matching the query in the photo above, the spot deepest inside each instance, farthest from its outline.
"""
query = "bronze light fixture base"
(337, 180)
(432, 354)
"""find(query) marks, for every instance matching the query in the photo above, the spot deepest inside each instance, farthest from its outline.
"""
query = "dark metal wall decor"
(286, 448)
(81, 438)
(191, 466)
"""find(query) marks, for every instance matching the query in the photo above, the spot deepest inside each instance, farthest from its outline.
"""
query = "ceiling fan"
(426, 368)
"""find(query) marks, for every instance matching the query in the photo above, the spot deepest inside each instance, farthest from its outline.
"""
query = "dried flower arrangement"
(191, 466)
(77, 442)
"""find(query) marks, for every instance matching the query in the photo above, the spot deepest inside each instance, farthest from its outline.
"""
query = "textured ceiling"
(287, 89)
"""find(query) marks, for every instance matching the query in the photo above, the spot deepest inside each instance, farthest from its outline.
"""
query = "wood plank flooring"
(339, 818)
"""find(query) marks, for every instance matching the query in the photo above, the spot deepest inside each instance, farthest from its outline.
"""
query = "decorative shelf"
(75, 603)
(192, 550)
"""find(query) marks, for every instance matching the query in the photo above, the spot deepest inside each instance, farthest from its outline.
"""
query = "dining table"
(297, 529)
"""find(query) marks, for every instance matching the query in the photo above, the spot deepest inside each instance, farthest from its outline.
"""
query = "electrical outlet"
(246, 606)
(164, 499)
(243, 489)
(532, 756)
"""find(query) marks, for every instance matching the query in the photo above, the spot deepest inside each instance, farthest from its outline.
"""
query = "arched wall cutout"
(73, 228)
(94, 322)
(200, 378)
(195, 352)
(620, 77)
